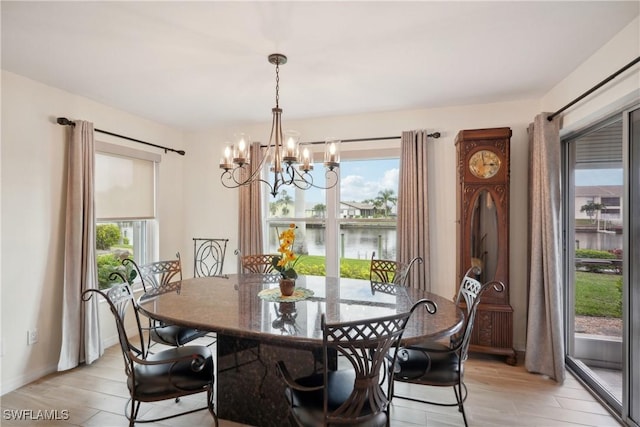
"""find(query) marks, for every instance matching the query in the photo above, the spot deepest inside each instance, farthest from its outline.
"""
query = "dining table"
(250, 316)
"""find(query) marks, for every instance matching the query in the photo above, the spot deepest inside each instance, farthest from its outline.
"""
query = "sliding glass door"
(602, 204)
(632, 291)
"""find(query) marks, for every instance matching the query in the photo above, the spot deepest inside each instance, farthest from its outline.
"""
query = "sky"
(360, 180)
(592, 177)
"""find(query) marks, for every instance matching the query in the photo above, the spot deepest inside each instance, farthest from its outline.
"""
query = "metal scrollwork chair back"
(154, 275)
(355, 394)
(259, 263)
(469, 288)
(157, 273)
(208, 256)
(442, 365)
(385, 271)
(168, 374)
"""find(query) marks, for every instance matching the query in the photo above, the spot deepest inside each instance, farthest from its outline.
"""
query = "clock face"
(484, 164)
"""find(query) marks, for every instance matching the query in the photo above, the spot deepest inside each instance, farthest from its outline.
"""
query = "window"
(339, 229)
(125, 189)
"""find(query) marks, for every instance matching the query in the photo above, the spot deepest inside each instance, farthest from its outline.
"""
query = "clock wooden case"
(483, 232)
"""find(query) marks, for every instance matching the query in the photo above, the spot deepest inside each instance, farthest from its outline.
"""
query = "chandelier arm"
(304, 180)
(235, 176)
(230, 176)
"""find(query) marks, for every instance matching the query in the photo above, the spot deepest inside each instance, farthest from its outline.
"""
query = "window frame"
(332, 219)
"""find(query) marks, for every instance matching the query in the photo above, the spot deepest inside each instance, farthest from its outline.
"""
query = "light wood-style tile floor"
(499, 395)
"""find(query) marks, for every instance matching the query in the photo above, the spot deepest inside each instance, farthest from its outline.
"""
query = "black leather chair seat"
(151, 380)
(439, 368)
(175, 335)
(308, 405)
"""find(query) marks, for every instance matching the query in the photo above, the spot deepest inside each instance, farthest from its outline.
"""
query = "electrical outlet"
(32, 336)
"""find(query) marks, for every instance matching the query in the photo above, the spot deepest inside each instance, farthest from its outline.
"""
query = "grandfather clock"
(483, 232)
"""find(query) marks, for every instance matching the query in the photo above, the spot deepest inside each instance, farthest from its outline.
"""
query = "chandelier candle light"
(282, 154)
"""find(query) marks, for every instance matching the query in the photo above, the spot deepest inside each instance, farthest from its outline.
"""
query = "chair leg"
(135, 407)
(457, 389)
(458, 397)
(210, 405)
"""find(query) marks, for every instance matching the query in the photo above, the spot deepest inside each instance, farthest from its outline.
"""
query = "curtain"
(413, 209)
(250, 222)
(81, 341)
(545, 343)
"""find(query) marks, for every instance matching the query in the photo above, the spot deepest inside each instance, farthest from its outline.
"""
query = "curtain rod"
(596, 87)
(434, 135)
(66, 122)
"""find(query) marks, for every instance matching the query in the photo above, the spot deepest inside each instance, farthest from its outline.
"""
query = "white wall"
(213, 208)
(621, 91)
(33, 204)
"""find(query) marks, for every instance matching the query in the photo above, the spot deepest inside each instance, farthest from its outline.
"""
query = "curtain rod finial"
(64, 121)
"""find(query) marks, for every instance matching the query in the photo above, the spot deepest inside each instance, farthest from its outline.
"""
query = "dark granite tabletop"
(231, 306)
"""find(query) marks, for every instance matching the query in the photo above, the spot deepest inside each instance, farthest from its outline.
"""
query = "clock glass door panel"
(484, 236)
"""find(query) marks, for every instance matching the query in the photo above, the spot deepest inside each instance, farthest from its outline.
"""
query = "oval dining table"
(247, 312)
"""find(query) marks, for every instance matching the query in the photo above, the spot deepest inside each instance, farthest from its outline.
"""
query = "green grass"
(352, 268)
(598, 295)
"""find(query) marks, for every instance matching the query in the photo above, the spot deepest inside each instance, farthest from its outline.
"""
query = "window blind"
(125, 183)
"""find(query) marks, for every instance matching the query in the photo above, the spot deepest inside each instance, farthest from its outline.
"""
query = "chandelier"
(287, 162)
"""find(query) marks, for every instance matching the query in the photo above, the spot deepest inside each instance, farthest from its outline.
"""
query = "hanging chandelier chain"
(277, 84)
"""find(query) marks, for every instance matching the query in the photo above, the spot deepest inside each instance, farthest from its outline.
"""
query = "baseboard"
(22, 380)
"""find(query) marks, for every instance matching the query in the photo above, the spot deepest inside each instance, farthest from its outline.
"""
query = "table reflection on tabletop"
(232, 306)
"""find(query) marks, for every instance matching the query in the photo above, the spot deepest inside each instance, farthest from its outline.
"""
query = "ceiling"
(198, 65)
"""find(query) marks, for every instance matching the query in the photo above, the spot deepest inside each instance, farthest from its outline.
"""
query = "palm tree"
(591, 208)
(386, 197)
(319, 210)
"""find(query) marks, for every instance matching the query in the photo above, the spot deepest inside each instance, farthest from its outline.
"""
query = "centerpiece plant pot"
(287, 286)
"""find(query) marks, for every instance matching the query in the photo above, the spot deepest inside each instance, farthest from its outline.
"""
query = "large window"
(125, 190)
(339, 229)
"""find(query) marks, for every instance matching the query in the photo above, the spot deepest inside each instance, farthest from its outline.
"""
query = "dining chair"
(168, 374)
(390, 271)
(208, 256)
(156, 274)
(354, 394)
(258, 263)
(442, 365)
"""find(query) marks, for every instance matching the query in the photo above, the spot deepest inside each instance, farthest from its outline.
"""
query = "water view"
(357, 241)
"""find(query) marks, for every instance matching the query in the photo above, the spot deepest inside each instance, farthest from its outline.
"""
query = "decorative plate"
(273, 294)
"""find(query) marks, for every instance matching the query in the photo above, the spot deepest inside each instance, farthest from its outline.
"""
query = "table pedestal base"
(253, 393)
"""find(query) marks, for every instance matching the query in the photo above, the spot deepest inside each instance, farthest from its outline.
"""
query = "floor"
(499, 395)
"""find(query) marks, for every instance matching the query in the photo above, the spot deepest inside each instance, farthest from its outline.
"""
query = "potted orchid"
(285, 262)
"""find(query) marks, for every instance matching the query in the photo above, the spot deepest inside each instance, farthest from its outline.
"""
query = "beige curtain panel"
(413, 209)
(81, 340)
(250, 202)
(545, 341)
